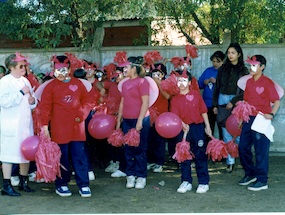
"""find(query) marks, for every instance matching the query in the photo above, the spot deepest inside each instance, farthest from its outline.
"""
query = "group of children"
(125, 89)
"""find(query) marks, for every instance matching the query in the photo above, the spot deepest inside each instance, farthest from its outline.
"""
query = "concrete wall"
(275, 55)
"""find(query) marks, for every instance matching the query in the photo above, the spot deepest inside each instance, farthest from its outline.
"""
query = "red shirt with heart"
(189, 107)
(260, 94)
(60, 104)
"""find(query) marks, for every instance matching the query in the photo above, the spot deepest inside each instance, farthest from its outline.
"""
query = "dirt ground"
(109, 195)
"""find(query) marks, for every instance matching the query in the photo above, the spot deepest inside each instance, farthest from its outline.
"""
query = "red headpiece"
(20, 57)
(252, 60)
(191, 51)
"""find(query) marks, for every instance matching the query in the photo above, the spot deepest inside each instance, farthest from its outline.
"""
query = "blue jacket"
(208, 89)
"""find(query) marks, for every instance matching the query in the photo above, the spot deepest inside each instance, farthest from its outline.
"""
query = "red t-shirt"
(260, 93)
(60, 104)
(114, 97)
(161, 104)
(189, 107)
(132, 91)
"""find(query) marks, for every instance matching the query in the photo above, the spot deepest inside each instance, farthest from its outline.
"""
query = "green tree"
(49, 22)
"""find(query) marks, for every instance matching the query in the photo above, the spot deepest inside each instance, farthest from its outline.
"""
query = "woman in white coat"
(17, 102)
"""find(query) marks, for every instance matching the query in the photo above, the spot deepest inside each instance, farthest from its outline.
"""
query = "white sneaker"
(118, 174)
(91, 176)
(111, 167)
(202, 188)
(130, 181)
(15, 181)
(184, 187)
(116, 167)
(32, 176)
(85, 192)
(157, 168)
(140, 183)
(150, 166)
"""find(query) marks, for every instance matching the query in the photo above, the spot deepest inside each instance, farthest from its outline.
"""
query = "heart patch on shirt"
(189, 97)
(73, 88)
(259, 90)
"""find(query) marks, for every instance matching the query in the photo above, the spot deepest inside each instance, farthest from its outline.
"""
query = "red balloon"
(29, 147)
(232, 126)
(101, 125)
(168, 125)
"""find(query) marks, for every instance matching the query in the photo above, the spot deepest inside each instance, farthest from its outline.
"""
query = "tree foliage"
(49, 22)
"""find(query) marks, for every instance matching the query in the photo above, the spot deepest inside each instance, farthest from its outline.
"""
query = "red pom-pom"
(110, 69)
(232, 148)
(182, 152)
(120, 57)
(176, 61)
(48, 159)
(216, 149)
(243, 110)
(116, 138)
(191, 51)
(132, 138)
(169, 85)
(153, 114)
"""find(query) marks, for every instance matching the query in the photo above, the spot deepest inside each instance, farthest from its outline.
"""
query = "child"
(191, 109)
(65, 104)
(259, 92)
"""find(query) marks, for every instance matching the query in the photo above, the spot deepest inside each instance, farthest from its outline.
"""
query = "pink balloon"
(29, 147)
(232, 126)
(101, 125)
(168, 125)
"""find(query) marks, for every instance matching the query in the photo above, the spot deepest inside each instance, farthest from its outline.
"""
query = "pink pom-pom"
(243, 110)
(169, 85)
(176, 61)
(132, 138)
(232, 148)
(48, 159)
(182, 152)
(116, 138)
(216, 149)
(153, 114)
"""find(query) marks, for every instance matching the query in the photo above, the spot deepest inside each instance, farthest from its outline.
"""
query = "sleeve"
(9, 96)
(86, 104)
(45, 106)
(201, 80)
(216, 90)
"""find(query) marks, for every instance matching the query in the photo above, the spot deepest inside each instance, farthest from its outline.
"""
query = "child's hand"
(31, 100)
(185, 127)
(208, 131)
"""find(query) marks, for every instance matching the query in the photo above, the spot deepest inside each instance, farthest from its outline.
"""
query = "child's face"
(256, 69)
(183, 83)
(61, 73)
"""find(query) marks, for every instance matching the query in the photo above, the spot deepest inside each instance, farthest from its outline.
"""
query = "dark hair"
(137, 62)
(79, 73)
(240, 65)
(261, 59)
(121, 69)
(159, 67)
(218, 54)
(180, 72)
(9, 61)
(62, 58)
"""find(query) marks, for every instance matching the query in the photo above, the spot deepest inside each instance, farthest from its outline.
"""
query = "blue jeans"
(261, 146)
(198, 145)
(79, 161)
(136, 158)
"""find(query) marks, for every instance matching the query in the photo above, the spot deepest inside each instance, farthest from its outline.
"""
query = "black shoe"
(256, 186)
(8, 189)
(247, 180)
(23, 185)
(230, 168)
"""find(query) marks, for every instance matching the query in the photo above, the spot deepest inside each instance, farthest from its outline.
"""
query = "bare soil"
(109, 195)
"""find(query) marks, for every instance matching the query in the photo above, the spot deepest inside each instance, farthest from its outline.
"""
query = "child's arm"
(275, 107)
(208, 130)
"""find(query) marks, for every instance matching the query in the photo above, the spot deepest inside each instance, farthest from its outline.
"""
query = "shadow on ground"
(109, 195)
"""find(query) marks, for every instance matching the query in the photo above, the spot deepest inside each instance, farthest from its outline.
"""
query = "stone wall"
(275, 55)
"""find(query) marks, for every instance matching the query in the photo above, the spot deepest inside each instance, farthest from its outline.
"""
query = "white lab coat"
(15, 118)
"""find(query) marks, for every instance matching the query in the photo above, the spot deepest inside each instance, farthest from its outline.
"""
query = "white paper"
(263, 126)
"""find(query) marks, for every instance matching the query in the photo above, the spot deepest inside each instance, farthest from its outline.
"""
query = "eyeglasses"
(22, 66)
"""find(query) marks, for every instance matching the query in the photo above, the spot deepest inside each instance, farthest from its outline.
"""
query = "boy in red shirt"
(259, 92)
(64, 106)
(192, 110)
